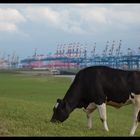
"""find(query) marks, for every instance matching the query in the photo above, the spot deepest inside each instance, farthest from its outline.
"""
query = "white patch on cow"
(136, 109)
(137, 100)
(133, 130)
(56, 105)
(103, 116)
(91, 106)
(132, 99)
(135, 122)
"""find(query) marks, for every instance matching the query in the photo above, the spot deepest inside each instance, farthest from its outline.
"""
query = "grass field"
(26, 104)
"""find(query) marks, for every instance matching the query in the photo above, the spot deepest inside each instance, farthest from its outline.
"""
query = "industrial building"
(9, 61)
(76, 55)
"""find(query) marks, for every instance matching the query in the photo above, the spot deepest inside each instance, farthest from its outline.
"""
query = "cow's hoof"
(89, 127)
(107, 130)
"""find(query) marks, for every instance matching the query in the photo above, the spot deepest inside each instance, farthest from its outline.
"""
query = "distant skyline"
(26, 27)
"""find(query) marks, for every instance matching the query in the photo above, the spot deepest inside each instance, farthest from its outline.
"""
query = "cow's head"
(60, 111)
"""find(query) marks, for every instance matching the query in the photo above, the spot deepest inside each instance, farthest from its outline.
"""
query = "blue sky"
(26, 27)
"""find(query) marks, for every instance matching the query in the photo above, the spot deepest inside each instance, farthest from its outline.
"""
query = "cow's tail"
(138, 117)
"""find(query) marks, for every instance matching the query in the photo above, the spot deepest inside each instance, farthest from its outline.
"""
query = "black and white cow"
(96, 87)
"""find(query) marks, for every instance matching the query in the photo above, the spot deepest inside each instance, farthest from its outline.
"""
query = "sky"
(25, 28)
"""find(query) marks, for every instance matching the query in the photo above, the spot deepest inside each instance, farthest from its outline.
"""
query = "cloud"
(8, 27)
(94, 14)
(85, 18)
(73, 18)
(111, 17)
(60, 19)
(9, 19)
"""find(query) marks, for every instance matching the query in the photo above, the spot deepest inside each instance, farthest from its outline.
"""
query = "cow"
(97, 86)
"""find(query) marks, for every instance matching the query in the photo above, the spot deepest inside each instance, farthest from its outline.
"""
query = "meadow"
(26, 107)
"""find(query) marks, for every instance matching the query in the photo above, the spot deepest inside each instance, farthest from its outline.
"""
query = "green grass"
(26, 104)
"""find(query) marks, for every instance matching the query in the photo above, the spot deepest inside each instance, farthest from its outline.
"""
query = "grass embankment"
(26, 104)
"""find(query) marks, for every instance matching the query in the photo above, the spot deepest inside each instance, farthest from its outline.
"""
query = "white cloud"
(9, 19)
(83, 18)
(8, 27)
(94, 15)
(74, 18)
(39, 14)
(111, 17)
(61, 19)
(52, 16)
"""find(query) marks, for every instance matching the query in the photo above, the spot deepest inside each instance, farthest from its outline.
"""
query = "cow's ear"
(59, 100)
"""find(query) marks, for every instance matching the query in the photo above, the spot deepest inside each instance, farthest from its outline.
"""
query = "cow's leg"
(89, 110)
(135, 121)
(89, 120)
(103, 116)
(136, 109)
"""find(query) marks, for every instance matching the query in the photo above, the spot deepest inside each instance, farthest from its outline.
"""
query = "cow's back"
(99, 84)
(105, 82)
